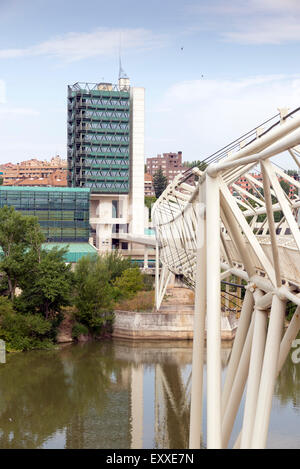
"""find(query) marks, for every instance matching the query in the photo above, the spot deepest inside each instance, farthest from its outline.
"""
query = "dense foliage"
(160, 182)
(196, 163)
(37, 286)
(35, 283)
(149, 202)
(129, 283)
(100, 282)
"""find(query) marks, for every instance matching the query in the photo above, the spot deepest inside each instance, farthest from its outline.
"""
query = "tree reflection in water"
(287, 388)
(40, 390)
(81, 396)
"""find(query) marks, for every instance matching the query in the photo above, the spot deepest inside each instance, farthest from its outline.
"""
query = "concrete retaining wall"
(163, 325)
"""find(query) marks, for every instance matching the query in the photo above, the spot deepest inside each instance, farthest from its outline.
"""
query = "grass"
(143, 301)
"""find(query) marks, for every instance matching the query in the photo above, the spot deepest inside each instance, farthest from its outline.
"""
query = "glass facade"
(62, 213)
(98, 137)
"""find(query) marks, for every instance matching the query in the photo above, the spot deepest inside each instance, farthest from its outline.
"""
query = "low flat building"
(63, 215)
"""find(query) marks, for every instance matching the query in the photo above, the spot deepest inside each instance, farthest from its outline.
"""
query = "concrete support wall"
(165, 325)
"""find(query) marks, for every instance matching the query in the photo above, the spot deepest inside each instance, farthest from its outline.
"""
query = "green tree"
(285, 186)
(20, 240)
(149, 201)
(196, 163)
(160, 182)
(94, 293)
(22, 332)
(115, 264)
(130, 282)
(47, 284)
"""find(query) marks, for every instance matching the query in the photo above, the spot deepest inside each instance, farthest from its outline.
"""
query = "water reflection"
(42, 393)
(287, 389)
(108, 395)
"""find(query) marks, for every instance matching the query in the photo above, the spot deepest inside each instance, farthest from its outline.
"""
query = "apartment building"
(170, 163)
(35, 170)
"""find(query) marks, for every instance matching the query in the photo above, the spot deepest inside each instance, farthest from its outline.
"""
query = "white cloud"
(274, 30)
(77, 46)
(252, 22)
(206, 115)
(2, 91)
(17, 111)
(23, 148)
(242, 8)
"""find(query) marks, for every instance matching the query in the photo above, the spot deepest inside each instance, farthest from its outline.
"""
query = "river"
(118, 394)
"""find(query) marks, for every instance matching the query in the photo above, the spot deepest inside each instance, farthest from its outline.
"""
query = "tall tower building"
(106, 154)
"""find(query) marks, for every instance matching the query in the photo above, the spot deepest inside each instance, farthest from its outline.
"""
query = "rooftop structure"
(56, 179)
(33, 169)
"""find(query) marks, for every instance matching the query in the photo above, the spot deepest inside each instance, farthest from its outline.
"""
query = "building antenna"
(122, 73)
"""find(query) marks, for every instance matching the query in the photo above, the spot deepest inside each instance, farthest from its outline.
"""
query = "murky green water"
(116, 394)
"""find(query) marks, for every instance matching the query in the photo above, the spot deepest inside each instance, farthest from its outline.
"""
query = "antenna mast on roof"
(122, 73)
(123, 77)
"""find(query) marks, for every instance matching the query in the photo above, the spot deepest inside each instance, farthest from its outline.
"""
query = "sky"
(212, 69)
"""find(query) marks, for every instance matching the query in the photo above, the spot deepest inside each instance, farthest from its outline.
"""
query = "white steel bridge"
(210, 229)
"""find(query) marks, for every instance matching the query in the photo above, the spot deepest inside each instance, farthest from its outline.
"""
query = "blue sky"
(212, 69)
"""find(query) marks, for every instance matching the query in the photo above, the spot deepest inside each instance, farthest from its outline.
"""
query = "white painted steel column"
(271, 223)
(285, 346)
(237, 388)
(156, 273)
(199, 329)
(238, 345)
(268, 374)
(213, 320)
(256, 361)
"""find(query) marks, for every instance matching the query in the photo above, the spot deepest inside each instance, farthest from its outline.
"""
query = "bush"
(129, 283)
(79, 329)
(94, 295)
(115, 264)
(24, 332)
(148, 281)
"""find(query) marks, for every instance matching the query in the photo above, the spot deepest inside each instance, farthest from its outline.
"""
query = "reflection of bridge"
(171, 392)
(205, 234)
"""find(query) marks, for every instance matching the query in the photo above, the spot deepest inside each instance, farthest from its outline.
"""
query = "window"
(115, 209)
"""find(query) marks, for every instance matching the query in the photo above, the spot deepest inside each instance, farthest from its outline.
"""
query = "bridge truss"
(208, 229)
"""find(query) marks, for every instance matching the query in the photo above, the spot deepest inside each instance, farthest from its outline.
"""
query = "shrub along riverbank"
(37, 286)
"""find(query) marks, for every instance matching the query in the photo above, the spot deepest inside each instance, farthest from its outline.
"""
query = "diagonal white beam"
(248, 233)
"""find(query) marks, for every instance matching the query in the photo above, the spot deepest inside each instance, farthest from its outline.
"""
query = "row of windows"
(104, 173)
(63, 224)
(57, 215)
(102, 161)
(44, 195)
(31, 207)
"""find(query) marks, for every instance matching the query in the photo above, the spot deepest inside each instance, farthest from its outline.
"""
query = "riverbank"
(173, 321)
